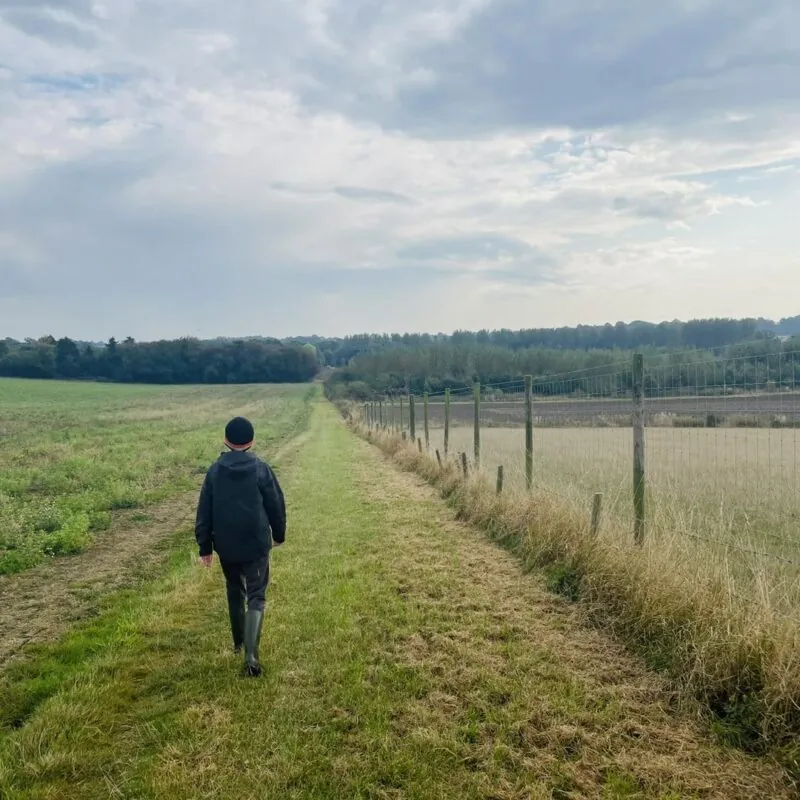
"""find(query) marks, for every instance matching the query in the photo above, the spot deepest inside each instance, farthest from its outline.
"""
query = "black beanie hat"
(239, 433)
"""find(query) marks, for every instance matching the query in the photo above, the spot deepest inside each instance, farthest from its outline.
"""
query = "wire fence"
(718, 466)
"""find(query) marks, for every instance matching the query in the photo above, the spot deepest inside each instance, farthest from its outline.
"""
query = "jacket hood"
(238, 464)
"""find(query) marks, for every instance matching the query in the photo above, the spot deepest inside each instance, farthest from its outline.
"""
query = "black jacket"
(240, 503)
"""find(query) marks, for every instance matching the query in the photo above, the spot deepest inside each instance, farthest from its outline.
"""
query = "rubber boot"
(236, 614)
(252, 636)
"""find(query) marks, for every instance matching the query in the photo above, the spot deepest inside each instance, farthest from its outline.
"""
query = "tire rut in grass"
(40, 604)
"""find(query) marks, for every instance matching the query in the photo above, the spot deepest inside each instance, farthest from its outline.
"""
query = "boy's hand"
(206, 560)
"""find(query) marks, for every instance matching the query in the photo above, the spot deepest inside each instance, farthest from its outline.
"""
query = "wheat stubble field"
(406, 655)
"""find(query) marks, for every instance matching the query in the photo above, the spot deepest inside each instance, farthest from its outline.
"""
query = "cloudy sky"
(205, 167)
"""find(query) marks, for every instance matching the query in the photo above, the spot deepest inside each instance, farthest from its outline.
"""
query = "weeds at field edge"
(736, 663)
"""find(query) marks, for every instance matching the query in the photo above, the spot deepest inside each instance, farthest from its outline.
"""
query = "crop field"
(71, 454)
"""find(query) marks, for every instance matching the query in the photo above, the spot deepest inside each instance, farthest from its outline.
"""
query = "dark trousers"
(248, 580)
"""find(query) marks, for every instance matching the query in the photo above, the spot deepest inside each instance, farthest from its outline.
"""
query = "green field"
(406, 656)
(73, 453)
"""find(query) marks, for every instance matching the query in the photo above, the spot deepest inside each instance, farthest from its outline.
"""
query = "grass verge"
(741, 664)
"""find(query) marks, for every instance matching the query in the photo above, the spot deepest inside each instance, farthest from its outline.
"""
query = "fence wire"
(722, 466)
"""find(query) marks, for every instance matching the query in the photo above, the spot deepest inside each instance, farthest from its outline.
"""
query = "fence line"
(612, 370)
(731, 546)
(708, 449)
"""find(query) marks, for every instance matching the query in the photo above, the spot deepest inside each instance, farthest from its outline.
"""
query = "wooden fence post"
(446, 422)
(392, 415)
(477, 434)
(402, 415)
(597, 502)
(380, 413)
(638, 449)
(439, 458)
(464, 464)
(419, 444)
(412, 418)
(500, 479)
(427, 421)
(529, 430)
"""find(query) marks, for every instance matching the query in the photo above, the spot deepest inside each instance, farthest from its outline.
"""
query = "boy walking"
(240, 513)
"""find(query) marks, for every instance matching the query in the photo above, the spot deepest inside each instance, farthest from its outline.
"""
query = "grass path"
(406, 657)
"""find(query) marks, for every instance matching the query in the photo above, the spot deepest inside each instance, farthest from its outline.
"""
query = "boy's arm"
(203, 530)
(274, 503)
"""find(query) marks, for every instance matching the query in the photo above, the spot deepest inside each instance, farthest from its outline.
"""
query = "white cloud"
(340, 163)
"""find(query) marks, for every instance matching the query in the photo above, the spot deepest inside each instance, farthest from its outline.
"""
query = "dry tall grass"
(727, 501)
(678, 607)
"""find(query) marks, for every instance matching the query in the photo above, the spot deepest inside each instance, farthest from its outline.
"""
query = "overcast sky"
(222, 167)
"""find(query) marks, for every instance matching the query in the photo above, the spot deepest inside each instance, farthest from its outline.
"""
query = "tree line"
(702, 334)
(177, 361)
(452, 364)
(368, 364)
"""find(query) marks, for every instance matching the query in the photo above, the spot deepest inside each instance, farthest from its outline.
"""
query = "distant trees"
(707, 333)
(165, 362)
(377, 363)
(68, 358)
(456, 363)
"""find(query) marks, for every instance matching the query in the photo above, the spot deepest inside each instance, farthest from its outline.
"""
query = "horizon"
(438, 165)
